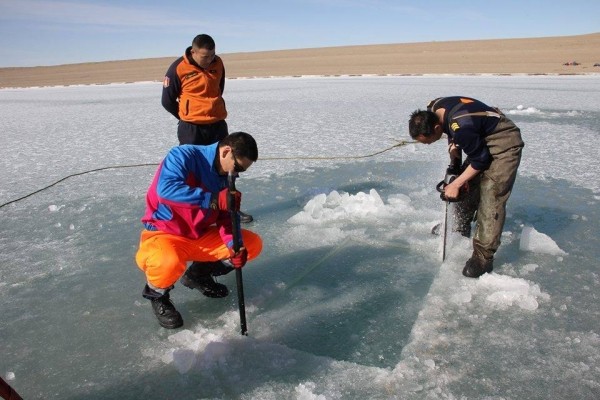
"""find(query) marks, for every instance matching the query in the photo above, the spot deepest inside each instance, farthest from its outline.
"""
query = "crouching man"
(187, 219)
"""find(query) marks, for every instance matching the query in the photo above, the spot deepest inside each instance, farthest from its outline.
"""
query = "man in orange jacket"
(193, 93)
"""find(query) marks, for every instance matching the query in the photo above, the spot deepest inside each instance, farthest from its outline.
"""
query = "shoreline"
(416, 75)
(526, 56)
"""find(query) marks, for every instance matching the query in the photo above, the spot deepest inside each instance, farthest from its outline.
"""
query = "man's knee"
(252, 243)
(162, 266)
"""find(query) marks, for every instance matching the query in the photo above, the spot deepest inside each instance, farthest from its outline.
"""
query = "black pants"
(189, 133)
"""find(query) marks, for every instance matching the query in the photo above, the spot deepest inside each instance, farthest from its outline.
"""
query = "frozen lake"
(349, 299)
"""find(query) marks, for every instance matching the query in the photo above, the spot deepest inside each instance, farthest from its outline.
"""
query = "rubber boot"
(477, 266)
(200, 276)
(164, 309)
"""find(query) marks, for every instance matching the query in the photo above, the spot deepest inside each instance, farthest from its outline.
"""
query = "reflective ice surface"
(349, 299)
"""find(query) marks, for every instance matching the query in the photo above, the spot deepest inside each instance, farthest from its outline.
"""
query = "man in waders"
(493, 146)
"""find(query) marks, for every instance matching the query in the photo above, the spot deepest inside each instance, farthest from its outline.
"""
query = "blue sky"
(46, 32)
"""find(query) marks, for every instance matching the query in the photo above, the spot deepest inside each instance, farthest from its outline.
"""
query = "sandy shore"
(506, 56)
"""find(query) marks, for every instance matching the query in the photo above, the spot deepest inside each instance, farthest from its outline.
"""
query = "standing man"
(187, 218)
(493, 146)
(193, 93)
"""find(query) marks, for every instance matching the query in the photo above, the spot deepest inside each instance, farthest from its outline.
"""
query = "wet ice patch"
(338, 206)
(331, 219)
(521, 110)
(328, 219)
(304, 391)
(528, 268)
(228, 364)
(505, 291)
(200, 348)
(500, 291)
(303, 236)
(534, 241)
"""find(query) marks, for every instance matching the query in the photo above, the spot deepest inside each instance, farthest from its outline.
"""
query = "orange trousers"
(163, 257)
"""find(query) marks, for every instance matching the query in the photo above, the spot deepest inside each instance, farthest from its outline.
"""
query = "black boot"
(168, 317)
(221, 268)
(245, 218)
(200, 276)
(477, 266)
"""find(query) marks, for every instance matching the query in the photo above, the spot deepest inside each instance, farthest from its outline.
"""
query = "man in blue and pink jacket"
(187, 219)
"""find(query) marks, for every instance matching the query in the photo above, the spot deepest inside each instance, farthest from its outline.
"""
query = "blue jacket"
(179, 199)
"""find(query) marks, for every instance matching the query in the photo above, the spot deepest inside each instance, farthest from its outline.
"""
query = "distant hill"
(502, 56)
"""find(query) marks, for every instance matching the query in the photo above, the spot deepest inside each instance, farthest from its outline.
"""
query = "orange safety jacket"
(194, 94)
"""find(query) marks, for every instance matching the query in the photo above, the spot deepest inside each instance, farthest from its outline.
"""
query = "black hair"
(421, 123)
(242, 145)
(203, 41)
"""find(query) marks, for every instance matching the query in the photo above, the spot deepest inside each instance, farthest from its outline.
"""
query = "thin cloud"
(95, 15)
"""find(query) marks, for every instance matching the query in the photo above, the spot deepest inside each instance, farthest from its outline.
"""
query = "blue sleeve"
(172, 89)
(173, 187)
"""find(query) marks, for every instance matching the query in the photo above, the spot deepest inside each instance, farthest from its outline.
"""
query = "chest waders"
(454, 170)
